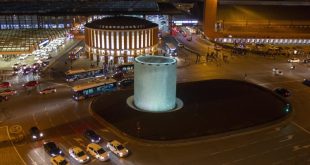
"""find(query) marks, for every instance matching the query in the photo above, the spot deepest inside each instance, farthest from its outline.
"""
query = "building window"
(107, 40)
(112, 40)
(95, 39)
(132, 40)
(138, 39)
(117, 40)
(102, 38)
(123, 46)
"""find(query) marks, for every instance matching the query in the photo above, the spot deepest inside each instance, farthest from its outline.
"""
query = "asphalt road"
(63, 121)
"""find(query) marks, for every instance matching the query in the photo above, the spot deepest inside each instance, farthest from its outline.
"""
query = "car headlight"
(41, 134)
(34, 137)
(92, 140)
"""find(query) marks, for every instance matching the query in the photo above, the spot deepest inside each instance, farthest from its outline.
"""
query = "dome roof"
(121, 22)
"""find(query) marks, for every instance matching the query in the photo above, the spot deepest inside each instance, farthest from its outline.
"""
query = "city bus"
(126, 67)
(75, 53)
(93, 88)
(171, 49)
(77, 74)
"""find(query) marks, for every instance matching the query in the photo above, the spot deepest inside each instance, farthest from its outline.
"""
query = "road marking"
(289, 137)
(300, 127)
(35, 120)
(33, 162)
(7, 129)
(36, 152)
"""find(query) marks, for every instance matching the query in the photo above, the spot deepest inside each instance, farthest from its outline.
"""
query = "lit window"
(117, 40)
(132, 40)
(112, 40)
(107, 40)
(138, 39)
(102, 38)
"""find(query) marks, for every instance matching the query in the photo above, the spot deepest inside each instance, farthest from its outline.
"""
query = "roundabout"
(210, 107)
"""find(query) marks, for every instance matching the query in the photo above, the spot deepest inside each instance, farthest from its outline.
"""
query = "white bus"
(171, 49)
(93, 88)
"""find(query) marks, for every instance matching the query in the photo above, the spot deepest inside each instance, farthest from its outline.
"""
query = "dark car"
(27, 70)
(306, 82)
(306, 60)
(118, 76)
(5, 85)
(125, 82)
(52, 149)
(282, 92)
(31, 84)
(3, 98)
(92, 136)
(35, 133)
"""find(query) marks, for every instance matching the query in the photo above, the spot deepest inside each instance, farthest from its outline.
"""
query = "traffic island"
(209, 107)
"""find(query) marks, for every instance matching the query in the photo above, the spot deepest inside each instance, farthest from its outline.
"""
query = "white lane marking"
(300, 127)
(35, 120)
(7, 131)
(33, 162)
(36, 152)
(289, 137)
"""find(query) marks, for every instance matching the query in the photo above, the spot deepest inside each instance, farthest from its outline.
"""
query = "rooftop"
(121, 22)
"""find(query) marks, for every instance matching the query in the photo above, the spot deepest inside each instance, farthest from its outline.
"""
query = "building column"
(209, 20)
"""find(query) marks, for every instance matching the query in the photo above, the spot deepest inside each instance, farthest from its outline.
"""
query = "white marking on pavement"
(33, 162)
(7, 131)
(34, 118)
(289, 137)
(36, 152)
(300, 127)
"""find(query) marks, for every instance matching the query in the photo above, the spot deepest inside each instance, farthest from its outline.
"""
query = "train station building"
(119, 39)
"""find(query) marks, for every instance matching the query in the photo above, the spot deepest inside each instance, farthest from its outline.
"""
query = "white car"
(59, 160)
(294, 60)
(97, 151)
(22, 57)
(117, 148)
(47, 90)
(78, 154)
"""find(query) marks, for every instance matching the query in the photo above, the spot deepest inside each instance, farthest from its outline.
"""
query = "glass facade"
(120, 46)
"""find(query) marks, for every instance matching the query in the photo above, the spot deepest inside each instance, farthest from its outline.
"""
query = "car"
(5, 85)
(47, 90)
(8, 92)
(52, 149)
(180, 45)
(282, 92)
(22, 57)
(125, 82)
(117, 148)
(36, 65)
(292, 60)
(3, 98)
(276, 71)
(31, 84)
(59, 160)
(306, 60)
(27, 70)
(118, 76)
(92, 136)
(306, 82)
(16, 65)
(78, 154)
(97, 151)
(35, 133)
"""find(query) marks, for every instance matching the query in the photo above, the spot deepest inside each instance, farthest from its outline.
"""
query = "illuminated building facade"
(119, 39)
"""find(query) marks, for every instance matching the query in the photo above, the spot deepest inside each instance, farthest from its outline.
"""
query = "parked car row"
(297, 60)
(77, 153)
